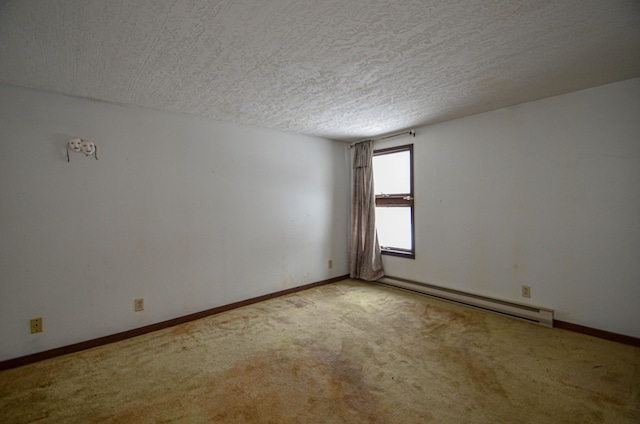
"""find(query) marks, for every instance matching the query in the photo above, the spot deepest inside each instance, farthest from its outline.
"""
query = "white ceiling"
(342, 69)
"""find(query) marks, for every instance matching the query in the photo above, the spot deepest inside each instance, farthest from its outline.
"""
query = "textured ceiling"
(342, 69)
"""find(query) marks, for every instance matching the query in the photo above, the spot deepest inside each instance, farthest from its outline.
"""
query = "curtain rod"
(412, 132)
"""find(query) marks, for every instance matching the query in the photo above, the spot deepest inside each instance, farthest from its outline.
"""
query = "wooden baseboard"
(621, 338)
(52, 353)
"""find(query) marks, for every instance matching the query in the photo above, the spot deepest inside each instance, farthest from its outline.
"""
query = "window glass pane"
(391, 173)
(394, 227)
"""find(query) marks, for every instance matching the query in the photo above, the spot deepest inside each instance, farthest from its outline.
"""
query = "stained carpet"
(348, 352)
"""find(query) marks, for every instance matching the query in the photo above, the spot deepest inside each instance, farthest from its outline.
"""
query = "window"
(393, 184)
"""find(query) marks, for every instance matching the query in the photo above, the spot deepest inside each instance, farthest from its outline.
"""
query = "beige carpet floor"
(348, 352)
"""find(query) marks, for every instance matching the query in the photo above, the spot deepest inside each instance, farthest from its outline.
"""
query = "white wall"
(545, 194)
(186, 213)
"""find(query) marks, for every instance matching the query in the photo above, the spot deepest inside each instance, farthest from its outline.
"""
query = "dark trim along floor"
(77, 347)
(47, 354)
(621, 338)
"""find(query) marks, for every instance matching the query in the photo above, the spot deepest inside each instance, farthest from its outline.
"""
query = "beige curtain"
(365, 261)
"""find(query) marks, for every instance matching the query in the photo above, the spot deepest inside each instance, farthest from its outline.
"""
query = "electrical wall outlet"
(526, 291)
(330, 263)
(36, 325)
(138, 305)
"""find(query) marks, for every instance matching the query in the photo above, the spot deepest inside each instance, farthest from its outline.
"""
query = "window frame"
(394, 200)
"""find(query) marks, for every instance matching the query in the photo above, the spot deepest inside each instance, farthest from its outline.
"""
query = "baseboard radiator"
(533, 314)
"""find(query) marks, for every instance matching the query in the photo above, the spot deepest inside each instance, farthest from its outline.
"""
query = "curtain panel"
(365, 260)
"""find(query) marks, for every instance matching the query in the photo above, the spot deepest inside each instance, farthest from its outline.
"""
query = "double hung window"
(393, 185)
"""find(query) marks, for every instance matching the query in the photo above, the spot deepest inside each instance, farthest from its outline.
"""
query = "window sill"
(399, 253)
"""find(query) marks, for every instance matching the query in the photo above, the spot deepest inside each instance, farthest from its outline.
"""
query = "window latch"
(407, 198)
